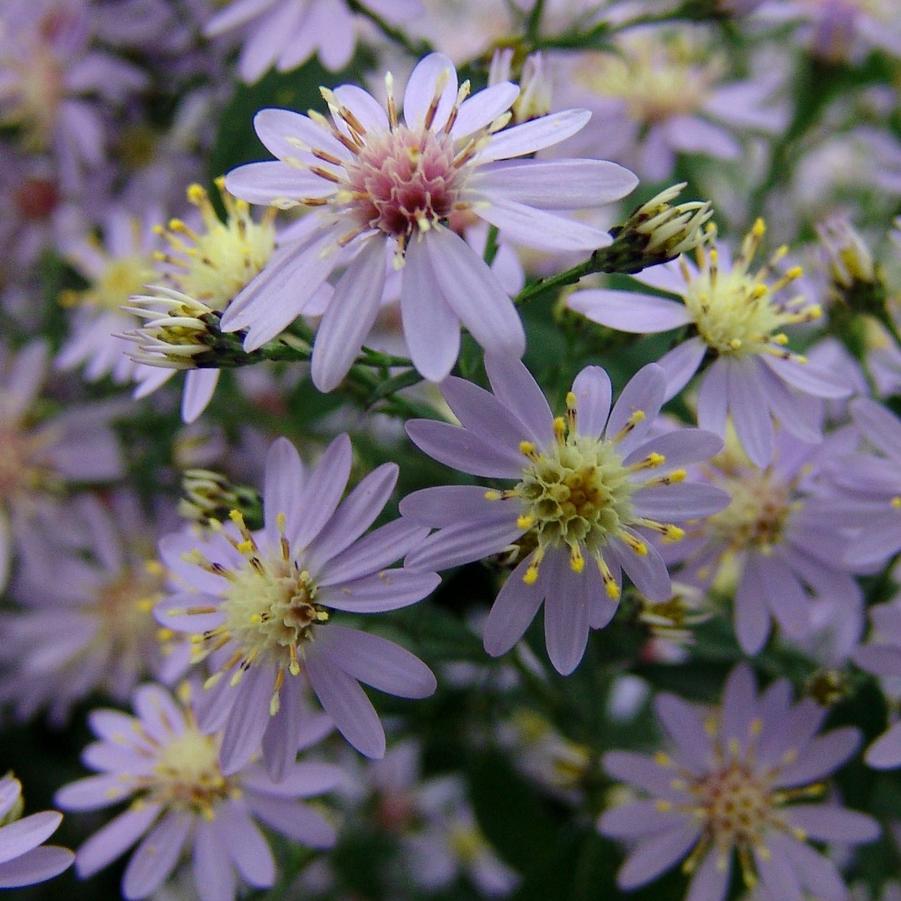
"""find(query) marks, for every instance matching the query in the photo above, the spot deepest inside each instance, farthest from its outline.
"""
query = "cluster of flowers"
(409, 231)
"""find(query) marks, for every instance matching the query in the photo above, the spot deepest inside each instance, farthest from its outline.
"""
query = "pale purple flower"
(37, 459)
(590, 487)
(286, 33)
(659, 93)
(263, 605)
(778, 545)
(736, 779)
(737, 317)
(181, 801)
(85, 621)
(24, 860)
(881, 656)
(380, 186)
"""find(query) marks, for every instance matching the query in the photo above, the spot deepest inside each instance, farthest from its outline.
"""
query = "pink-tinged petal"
(752, 616)
(532, 227)
(22, 835)
(276, 184)
(679, 501)
(245, 844)
(434, 77)
(535, 135)
(739, 706)
(656, 855)
(710, 881)
(446, 505)
(431, 327)
(513, 609)
(320, 496)
(746, 105)
(367, 110)
(480, 110)
(282, 736)
(555, 184)
(643, 392)
(346, 703)
(680, 364)
(214, 876)
(285, 134)
(349, 317)
(156, 856)
(474, 294)
(807, 377)
(380, 548)
(566, 614)
(593, 395)
(514, 387)
(465, 542)
(301, 780)
(885, 752)
(879, 425)
(684, 724)
(629, 311)
(750, 411)
(639, 818)
(298, 822)
(378, 662)
(482, 414)
(785, 596)
(691, 134)
(821, 757)
(830, 823)
(200, 384)
(390, 589)
(354, 515)
(115, 838)
(269, 38)
(234, 15)
(282, 486)
(36, 865)
(92, 793)
(713, 398)
(816, 872)
(679, 447)
(249, 718)
(648, 571)
(643, 772)
(25, 378)
(664, 277)
(461, 450)
(776, 874)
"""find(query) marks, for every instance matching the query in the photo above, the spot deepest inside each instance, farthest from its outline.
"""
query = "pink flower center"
(36, 198)
(403, 180)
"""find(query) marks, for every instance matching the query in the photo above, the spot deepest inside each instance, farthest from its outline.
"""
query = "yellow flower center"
(758, 513)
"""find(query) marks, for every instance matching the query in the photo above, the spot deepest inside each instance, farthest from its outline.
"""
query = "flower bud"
(210, 495)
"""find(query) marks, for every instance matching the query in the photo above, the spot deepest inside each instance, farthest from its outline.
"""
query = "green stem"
(533, 25)
(490, 245)
(414, 48)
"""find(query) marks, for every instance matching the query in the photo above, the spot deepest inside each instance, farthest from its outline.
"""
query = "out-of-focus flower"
(590, 486)
(661, 93)
(86, 623)
(179, 797)
(24, 860)
(777, 545)
(200, 275)
(262, 603)
(881, 655)
(286, 33)
(380, 186)
(535, 83)
(731, 783)
(738, 316)
(672, 619)
(38, 458)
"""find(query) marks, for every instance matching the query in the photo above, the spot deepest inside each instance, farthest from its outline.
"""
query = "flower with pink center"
(736, 783)
(382, 189)
(180, 798)
(286, 33)
(262, 606)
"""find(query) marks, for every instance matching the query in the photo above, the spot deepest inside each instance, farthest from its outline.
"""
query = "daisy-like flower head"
(730, 786)
(778, 547)
(590, 487)
(86, 623)
(24, 860)
(262, 604)
(200, 273)
(180, 798)
(383, 186)
(738, 315)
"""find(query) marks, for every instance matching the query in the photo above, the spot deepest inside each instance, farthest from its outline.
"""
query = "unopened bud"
(535, 84)
(209, 495)
(847, 257)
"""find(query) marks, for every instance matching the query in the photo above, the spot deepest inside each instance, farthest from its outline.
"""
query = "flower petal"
(629, 311)
(533, 227)
(156, 856)
(593, 395)
(434, 78)
(535, 135)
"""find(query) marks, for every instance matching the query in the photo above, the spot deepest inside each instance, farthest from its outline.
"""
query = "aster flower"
(200, 274)
(731, 783)
(86, 623)
(37, 459)
(24, 860)
(778, 547)
(590, 487)
(738, 318)
(881, 656)
(180, 798)
(286, 33)
(262, 604)
(380, 186)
